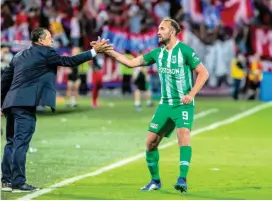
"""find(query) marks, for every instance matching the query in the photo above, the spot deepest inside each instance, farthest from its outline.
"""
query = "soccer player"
(176, 63)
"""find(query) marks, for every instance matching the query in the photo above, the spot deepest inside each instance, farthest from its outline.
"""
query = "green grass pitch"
(229, 162)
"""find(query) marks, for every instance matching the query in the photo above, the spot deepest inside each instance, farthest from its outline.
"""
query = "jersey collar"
(172, 47)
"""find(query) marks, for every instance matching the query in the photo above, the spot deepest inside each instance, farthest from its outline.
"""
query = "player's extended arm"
(135, 62)
(202, 76)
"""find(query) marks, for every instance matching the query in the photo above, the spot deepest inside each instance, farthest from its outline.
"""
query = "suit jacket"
(30, 80)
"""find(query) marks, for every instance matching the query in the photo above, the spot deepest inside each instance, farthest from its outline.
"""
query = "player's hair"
(38, 33)
(174, 24)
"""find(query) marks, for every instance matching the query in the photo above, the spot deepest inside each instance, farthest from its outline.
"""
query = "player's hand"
(101, 46)
(187, 99)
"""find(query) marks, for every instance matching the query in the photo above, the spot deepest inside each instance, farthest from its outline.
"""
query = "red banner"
(261, 41)
(234, 11)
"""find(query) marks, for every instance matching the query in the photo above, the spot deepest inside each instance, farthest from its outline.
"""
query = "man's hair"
(174, 24)
(38, 33)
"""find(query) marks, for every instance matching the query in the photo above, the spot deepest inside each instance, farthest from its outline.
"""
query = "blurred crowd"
(220, 43)
(70, 21)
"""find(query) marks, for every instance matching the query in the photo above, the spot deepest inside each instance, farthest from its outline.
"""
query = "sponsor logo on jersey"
(172, 71)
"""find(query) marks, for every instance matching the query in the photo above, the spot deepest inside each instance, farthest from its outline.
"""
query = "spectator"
(162, 9)
(225, 52)
(117, 14)
(6, 57)
(255, 76)
(75, 32)
(6, 17)
(238, 74)
(88, 30)
(134, 17)
(33, 19)
(102, 17)
(58, 31)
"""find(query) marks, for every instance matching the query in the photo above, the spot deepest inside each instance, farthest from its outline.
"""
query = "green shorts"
(167, 118)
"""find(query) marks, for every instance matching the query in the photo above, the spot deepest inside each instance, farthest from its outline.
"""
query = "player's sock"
(148, 103)
(152, 159)
(185, 158)
(137, 103)
(68, 102)
(73, 100)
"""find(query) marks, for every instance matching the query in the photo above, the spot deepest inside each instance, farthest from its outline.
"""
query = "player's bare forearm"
(119, 57)
(202, 76)
(136, 62)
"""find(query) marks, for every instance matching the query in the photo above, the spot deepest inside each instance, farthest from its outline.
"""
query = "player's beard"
(165, 40)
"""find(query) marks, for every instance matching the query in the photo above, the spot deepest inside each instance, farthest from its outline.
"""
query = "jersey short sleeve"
(150, 57)
(192, 58)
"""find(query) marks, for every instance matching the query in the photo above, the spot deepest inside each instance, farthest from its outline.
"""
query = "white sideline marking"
(131, 159)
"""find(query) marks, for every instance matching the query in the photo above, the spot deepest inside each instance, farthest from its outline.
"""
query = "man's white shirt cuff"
(93, 52)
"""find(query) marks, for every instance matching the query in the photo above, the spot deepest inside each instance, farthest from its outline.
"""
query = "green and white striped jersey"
(175, 68)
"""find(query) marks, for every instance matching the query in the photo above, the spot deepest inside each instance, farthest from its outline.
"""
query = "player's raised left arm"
(202, 77)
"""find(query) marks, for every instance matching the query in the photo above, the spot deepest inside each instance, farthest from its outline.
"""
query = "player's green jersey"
(175, 68)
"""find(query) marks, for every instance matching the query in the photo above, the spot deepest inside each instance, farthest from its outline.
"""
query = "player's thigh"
(70, 84)
(77, 83)
(97, 79)
(161, 123)
(183, 116)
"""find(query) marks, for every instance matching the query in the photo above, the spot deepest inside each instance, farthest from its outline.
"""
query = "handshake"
(101, 46)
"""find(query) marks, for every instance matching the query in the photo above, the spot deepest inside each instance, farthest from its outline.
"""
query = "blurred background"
(233, 38)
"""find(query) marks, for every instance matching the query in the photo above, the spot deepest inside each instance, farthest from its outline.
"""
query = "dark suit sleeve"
(55, 59)
(6, 80)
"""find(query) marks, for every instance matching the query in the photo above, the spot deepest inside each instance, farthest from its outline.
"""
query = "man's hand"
(101, 46)
(187, 99)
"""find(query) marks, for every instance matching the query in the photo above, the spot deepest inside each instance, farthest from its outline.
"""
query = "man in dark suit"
(30, 81)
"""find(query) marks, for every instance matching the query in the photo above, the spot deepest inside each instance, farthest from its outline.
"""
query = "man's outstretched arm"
(132, 63)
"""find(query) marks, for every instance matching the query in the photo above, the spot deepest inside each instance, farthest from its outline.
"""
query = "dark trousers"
(126, 84)
(253, 85)
(236, 85)
(21, 123)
